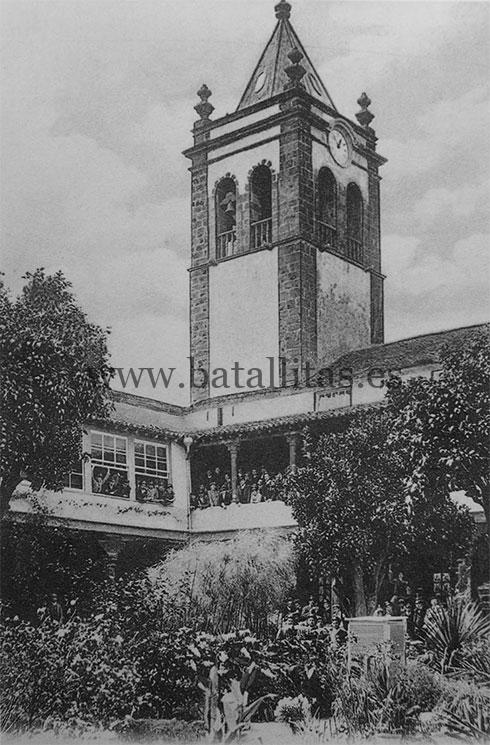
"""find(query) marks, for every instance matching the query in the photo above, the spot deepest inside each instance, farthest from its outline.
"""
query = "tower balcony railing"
(354, 250)
(225, 244)
(327, 235)
(261, 233)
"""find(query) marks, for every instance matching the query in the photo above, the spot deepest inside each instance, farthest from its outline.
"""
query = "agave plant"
(455, 629)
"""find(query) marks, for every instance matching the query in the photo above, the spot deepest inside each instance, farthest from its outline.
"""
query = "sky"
(97, 106)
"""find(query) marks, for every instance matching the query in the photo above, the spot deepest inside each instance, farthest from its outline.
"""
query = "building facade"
(285, 282)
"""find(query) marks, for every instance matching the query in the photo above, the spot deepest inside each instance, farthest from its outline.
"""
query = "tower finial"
(364, 117)
(295, 71)
(283, 10)
(204, 108)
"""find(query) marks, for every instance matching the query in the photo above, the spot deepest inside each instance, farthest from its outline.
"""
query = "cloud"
(412, 269)
(451, 132)
(426, 292)
(463, 201)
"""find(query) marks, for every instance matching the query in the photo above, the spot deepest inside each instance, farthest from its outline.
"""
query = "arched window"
(260, 206)
(225, 217)
(327, 208)
(354, 222)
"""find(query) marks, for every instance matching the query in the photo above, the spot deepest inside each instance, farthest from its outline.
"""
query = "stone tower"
(285, 245)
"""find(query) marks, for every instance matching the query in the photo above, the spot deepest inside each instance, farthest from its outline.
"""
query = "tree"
(444, 424)
(39, 559)
(350, 501)
(54, 378)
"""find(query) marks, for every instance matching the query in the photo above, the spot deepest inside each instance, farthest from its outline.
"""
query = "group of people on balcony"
(111, 482)
(115, 483)
(256, 485)
(154, 490)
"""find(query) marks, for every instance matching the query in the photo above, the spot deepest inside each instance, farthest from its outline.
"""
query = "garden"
(197, 648)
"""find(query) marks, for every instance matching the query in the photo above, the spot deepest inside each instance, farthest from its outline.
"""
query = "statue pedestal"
(380, 637)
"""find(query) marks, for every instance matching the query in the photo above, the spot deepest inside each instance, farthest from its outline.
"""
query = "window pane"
(108, 442)
(150, 450)
(110, 481)
(76, 481)
(96, 452)
(138, 447)
(96, 439)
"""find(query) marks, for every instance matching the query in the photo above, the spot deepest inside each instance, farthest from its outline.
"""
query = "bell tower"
(285, 243)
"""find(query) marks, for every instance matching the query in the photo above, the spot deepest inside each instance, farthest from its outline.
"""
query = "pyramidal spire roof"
(269, 77)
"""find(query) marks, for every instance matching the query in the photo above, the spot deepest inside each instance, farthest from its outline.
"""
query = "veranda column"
(293, 442)
(112, 545)
(233, 450)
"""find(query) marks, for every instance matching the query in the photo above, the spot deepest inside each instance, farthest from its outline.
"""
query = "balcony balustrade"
(261, 233)
(226, 244)
(354, 250)
(327, 235)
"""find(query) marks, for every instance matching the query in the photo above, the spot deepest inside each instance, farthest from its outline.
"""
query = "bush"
(76, 671)
(221, 586)
(159, 730)
(464, 710)
(425, 687)
(370, 701)
(118, 663)
(292, 709)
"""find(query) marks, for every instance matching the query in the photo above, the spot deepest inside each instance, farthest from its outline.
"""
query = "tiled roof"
(269, 78)
(405, 353)
(291, 422)
(147, 403)
(144, 430)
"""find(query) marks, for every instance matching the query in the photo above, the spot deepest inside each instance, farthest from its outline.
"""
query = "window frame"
(322, 180)
(352, 187)
(223, 238)
(156, 473)
(80, 473)
(113, 466)
(261, 229)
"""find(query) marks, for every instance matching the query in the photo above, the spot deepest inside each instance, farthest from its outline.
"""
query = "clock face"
(339, 147)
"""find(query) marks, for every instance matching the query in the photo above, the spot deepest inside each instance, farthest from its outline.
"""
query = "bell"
(227, 199)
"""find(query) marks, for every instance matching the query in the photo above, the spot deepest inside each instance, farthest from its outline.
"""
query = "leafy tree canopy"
(54, 378)
(444, 424)
(351, 502)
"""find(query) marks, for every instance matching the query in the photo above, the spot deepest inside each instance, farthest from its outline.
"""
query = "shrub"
(113, 665)
(292, 709)
(464, 710)
(370, 701)
(159, 730)
(222, 586)
(75, 671)
(424, 686)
